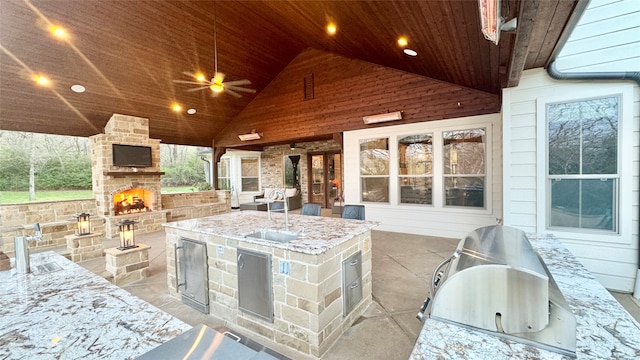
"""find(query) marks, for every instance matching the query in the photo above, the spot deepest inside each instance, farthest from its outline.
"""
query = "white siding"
(613, 258)
(425, 219)
(607, 38)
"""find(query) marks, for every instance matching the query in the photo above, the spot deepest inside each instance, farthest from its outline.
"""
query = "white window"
(415, 173)
(250, 174)
(464, 167)
(224, 174)
(374, 170)
(583, 176)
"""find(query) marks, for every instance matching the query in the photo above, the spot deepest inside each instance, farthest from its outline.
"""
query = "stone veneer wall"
(272, 163)
(56, 218)
(195, 205)
(307, 303)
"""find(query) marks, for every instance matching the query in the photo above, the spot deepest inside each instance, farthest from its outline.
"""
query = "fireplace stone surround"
(109, 180)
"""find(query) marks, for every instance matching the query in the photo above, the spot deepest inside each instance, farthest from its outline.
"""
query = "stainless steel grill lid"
(495, 282)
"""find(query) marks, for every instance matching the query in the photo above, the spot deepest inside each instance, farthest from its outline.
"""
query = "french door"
(325, 178)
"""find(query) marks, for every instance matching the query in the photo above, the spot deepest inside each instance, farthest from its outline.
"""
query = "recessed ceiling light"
(191, 111)
(78, 88)
(200, 77)
(176, 107)
(42, 80)
(331, 29)
(410, 52)
(402, 41)
(58, 32)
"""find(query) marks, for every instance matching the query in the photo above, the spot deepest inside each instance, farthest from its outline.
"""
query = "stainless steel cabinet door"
(194, 278)
(254, 284)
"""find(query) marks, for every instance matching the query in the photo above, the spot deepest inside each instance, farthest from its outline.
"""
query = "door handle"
(175, 265)
(240, 262)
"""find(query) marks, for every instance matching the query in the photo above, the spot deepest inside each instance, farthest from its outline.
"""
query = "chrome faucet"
(22, 250)
(281, 193)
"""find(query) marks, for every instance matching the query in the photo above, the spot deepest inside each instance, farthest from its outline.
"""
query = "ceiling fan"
(216, 84)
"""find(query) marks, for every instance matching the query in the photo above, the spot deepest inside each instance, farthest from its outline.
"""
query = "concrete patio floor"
(402, 266)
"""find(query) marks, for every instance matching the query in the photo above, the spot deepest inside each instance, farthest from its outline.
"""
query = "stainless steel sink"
(273, 235)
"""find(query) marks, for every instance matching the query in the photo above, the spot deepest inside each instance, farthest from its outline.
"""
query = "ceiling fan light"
(217, 88)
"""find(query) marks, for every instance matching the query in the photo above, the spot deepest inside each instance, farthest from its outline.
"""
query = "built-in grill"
(495, 282)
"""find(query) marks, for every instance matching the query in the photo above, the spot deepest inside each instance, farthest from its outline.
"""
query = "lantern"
(84, 225)
(127, 238)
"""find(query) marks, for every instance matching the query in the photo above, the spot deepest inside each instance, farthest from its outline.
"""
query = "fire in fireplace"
(132, 201)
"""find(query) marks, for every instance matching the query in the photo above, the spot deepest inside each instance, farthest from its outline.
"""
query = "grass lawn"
(11, 197)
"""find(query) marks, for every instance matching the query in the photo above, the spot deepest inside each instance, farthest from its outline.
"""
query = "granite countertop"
(604, 330)
(317, 233)
(71, 313)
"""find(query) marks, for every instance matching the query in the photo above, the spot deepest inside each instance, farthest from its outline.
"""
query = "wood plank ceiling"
(126, 54)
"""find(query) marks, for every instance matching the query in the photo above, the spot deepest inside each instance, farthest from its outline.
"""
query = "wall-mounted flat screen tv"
(131, 155)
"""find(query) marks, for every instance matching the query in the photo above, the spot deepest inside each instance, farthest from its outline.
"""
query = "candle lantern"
(127, 238)
(84, 225)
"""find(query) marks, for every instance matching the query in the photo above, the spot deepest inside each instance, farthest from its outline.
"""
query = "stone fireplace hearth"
(126, 193)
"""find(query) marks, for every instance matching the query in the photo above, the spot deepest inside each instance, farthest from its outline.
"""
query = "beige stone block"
(332, 296)
(295, 316)
(228, 291)
(227, 301)
(326, 344)
(291, 300)
(310, 306)
(279, 293)
(303, 289)
(137, 266)
(330, 313)
(292, 342)
(72, 242)
(298, 270)
(331, 283)
(329, 268)
(229, 280)
(255, 326)
(304, 258)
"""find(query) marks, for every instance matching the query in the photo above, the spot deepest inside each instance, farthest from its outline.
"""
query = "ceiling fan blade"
(238, 82)
(189, 74)
(190, 82)
(235, 88)
(198, 88)
(233, 93)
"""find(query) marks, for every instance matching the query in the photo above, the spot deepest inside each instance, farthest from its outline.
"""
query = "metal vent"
(308, 87)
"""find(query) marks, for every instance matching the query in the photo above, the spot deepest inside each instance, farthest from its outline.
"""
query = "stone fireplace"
(124, 192)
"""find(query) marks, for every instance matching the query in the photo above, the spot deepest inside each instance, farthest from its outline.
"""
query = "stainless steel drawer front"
(351, 282)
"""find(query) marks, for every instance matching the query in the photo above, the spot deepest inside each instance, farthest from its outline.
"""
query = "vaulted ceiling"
(127, 54)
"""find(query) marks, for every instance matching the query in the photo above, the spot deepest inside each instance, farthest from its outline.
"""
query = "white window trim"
(436, 128)
(625, 158)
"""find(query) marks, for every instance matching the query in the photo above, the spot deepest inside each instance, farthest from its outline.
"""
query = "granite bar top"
(317, 233)
(604, 330)
(71, 313)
